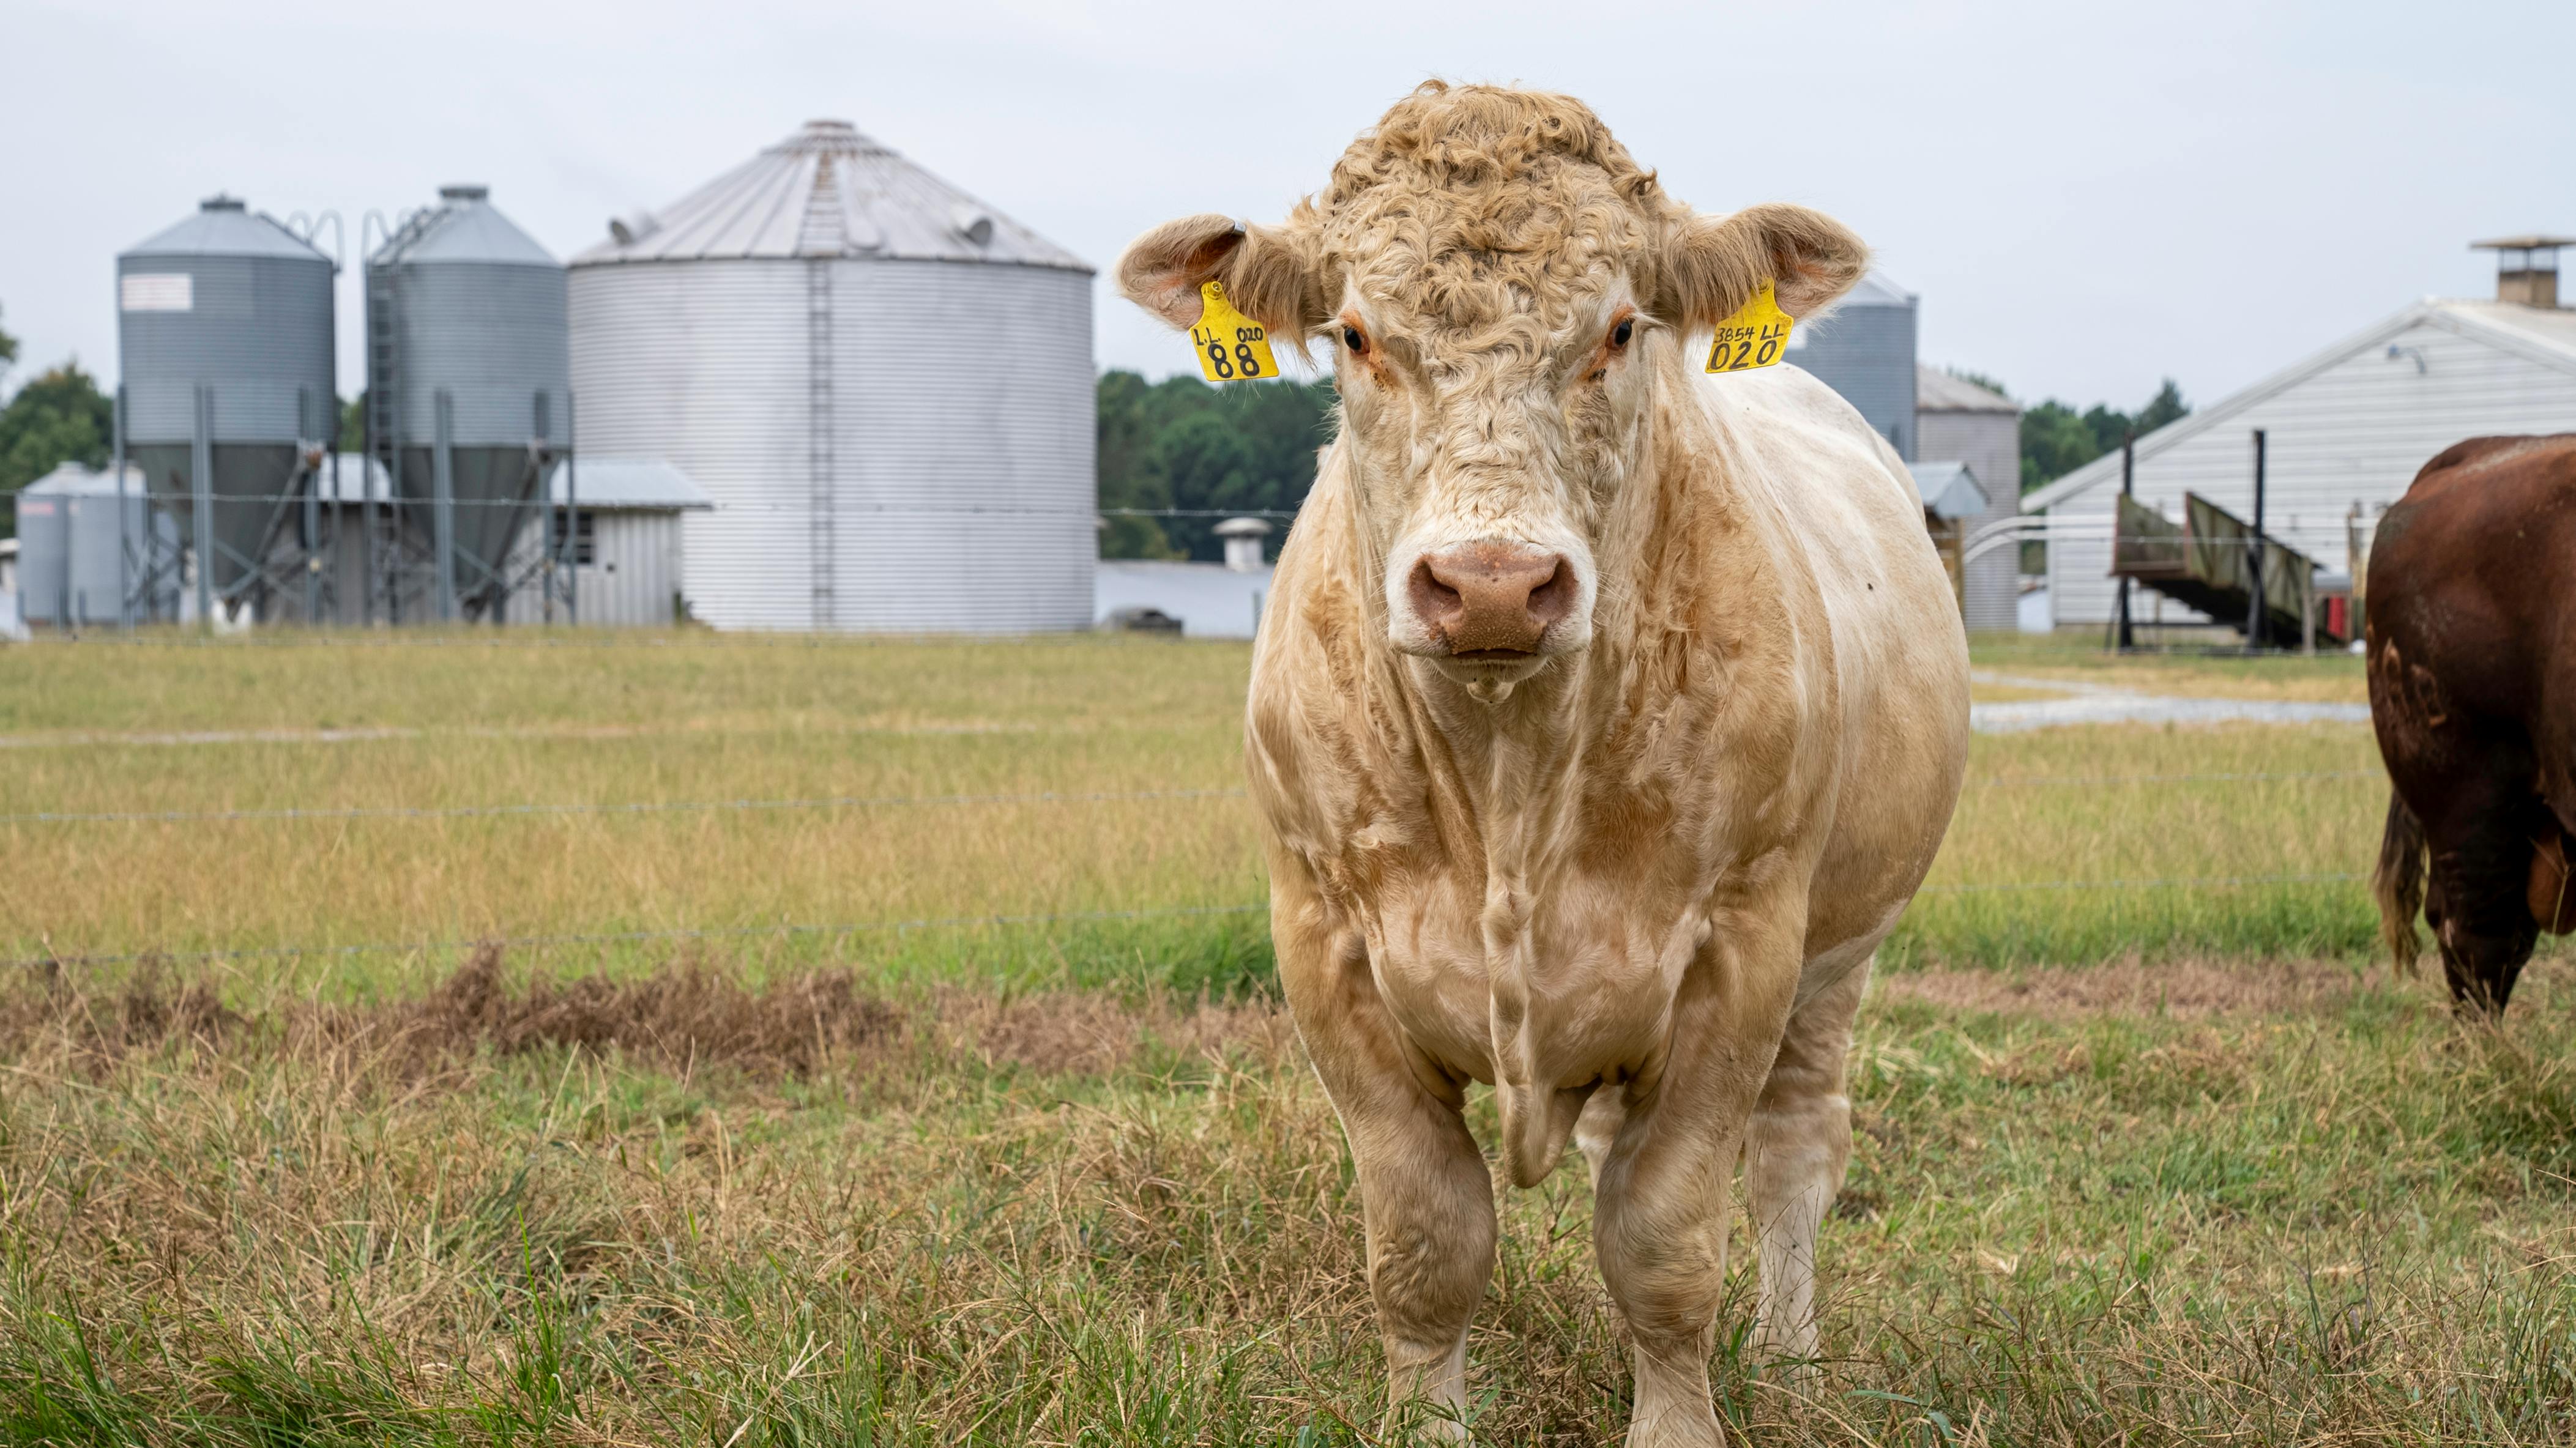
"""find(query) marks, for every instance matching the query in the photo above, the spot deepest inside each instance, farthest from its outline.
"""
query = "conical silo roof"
(223, 226)
(828, 191)
(463, 227)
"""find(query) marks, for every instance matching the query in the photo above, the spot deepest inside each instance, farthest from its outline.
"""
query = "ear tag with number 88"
(1231, 346)
(1754, 337)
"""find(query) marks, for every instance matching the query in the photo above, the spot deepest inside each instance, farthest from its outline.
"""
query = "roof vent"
(1243, 543)
(463, 193)
(630, 229)
(973, 223)
(220, 202)
(2526, 267)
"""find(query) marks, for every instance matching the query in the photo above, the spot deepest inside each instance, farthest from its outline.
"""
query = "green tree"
(353, 424)
(2056, 440)
(8, 349)
(1179, 443)
(58, 417)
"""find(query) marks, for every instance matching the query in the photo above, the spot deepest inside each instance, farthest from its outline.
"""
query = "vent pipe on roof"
(2526, 267)
(463, 192)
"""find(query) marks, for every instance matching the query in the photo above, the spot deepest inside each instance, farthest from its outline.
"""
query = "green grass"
(444, 722)
(2342, 1221)
(2227, 1183)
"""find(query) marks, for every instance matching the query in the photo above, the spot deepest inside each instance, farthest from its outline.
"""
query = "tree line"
(2056, 439)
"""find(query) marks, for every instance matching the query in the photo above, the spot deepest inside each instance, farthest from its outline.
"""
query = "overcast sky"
(2086, 197)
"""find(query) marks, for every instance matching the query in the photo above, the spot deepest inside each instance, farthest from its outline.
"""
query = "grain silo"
(1864, 349)
(224, 334)
(884, 385)
(468, 396)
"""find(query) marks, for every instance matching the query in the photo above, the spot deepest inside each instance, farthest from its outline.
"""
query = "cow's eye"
(1620, 334)
(1352, 339)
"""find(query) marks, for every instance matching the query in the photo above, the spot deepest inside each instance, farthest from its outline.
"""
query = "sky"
(2087, 198)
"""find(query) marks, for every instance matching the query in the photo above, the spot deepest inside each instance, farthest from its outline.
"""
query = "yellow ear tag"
(1754, 337)
(1231, 345)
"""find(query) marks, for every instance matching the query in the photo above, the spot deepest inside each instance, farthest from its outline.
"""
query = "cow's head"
(1503, 292)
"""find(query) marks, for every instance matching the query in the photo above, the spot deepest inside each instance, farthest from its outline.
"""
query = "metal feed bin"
(224, 331)
(469, 393)
(884, 385)
(69, 535)
(1864, 349)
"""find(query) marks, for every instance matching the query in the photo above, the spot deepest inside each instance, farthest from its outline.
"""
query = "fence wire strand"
(540, 809)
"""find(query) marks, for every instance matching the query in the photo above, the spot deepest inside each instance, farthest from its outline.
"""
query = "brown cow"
(1605, 717)
(2472, 645)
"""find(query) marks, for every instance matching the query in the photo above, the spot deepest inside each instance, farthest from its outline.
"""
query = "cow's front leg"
(1794, 1157)
(1660, 1220)
(1425, 1190)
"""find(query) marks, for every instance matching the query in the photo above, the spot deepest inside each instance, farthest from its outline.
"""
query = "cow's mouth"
(1494, 656)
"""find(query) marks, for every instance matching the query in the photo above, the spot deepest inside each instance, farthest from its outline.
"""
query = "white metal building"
(617, 521)
(2350, 425)
(884, 385)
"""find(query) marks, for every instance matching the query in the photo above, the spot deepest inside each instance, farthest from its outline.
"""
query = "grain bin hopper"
(224, 330)
(469, 393)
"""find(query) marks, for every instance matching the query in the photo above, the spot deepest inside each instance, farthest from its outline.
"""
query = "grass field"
(2162, 1161)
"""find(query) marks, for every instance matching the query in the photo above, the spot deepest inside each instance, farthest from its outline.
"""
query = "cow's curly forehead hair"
(1470, 205)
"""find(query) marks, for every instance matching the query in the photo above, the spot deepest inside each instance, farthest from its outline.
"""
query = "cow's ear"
(1714, 265)
(1264, 272)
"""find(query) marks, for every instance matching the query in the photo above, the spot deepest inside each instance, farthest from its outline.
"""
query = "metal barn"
(884, 385)
(1957, 421)
(2346, 431)
(617, 526)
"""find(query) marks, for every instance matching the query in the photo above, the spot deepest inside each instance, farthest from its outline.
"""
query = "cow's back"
(2471, 619)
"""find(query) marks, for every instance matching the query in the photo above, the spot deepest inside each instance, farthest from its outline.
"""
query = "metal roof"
(828, 191)
(223, 226)
(72, 480)
(2546, 335)
(1948, 490)
(646, 483)
(1876, 289)
(1938, 391)
(2536, 241)
(463, 227)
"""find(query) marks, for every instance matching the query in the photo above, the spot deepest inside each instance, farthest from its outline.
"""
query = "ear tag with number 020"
(1754, 337)
(1231, 345)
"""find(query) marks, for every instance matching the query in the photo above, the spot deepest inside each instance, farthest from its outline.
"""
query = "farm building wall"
(632, 580)
(2355, 430)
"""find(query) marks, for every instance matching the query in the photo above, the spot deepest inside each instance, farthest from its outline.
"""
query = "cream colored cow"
(1605, 716)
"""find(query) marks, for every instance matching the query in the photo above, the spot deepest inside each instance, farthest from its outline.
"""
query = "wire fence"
(542, 809)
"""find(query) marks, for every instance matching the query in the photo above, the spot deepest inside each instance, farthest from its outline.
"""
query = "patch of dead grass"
(2180, 989)
(691, 1014)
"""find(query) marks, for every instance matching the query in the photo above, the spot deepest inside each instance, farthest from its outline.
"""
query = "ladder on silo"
(822, 234)
(818, 430)
(384, 361)
(384, 541)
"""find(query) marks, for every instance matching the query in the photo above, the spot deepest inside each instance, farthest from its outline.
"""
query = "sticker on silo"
(160, 292)
(1231, 346)
(1754, 337)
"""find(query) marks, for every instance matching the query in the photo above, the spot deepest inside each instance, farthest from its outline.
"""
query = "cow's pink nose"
(1489, 598)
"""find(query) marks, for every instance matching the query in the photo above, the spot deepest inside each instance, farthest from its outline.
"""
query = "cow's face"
(1503, 293)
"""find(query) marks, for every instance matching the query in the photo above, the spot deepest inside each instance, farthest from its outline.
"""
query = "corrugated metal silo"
(469, 382)
(885, 385)
(224, 330)
(1864, 350)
